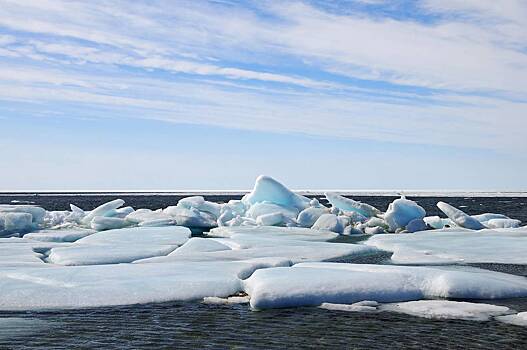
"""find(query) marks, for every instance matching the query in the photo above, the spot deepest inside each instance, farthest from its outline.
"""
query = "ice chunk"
(263, 208)
(101, 210)
(506, 246)
(361, 306)
(191, 217)
(267, 189)
(309, 216)
(201, 204)
(37, 213)
(416, 225)
(63, 287)
(157, 223)
(459, 217)
(330, 222)
(101, 223)
(438, 223)
(60, 235)
(121, 246)
(489, 216)
(226, 301)
(20, 252)
(272, 219)
(519, 319)
(347, 204)
(15, 222)
(503, 223)
(446, 309)
(311, 284)
(401, 211)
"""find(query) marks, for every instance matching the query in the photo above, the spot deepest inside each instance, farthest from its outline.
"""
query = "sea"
(182, 325)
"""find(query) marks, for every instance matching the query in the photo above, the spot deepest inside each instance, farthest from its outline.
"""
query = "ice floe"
(519, 319)
(447, 309)
(311, 284)
(505, 246)
(121, 246)
(123, 284)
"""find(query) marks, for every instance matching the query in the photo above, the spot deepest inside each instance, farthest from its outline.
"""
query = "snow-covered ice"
(361, 306)
(519, 319)
(121, 246)
(311, 284)
(347, 204)
(123, 284)
(447, 309)
(60, 235)
(505, 246)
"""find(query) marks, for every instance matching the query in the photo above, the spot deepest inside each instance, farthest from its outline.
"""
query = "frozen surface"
(519, 319)
(229, 300)
(308, 216)
(122, 284)
(505, 246)
(102, 210)
(311, 284)
(330, 222)
(447, 309)
(297, 233)
(121, 246)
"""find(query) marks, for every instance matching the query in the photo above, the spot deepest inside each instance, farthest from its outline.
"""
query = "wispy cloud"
(453, 73)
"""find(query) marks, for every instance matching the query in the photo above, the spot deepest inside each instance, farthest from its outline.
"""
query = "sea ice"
(309, 216)
(459, 217)
(263, 208)
(447, 309)
(505, 246)
(361, 306)
(59, 235)
(15, 223)
(346, 204)
(330, 222)
(121, 246)
(101, 210)
(37, 213)
(191, 217)
(267, 189)
(503, 223)
(63, 287)
(101, 223)
(199, 203)
(519, 319)
(401, 211)
(311, 284)
(226, 301)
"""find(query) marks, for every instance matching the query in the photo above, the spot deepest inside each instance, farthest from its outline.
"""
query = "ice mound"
(121, 246)
(459, 217)
(505, 246)
(331, 222)
(311, 284)
(346, 204)
(102, 210)
(446, 309)
(401, 212)
(267, 189)
(308, 216)
(66, 287)
(519, 319)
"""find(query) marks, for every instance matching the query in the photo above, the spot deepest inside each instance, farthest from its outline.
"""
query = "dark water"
(196, 325)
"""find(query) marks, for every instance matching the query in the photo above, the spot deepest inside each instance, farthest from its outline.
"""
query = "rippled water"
(196, 325)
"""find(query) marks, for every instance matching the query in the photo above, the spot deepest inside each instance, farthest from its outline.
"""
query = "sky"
(188, 95)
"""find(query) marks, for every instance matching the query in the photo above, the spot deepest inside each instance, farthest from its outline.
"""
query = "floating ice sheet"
(311, 284)
(505, 246)
(447, 309)
(519, 319)
(60, 235)
(121, 246)
(122, 284)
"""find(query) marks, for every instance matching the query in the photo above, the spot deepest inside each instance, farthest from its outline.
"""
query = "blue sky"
(356, 94)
